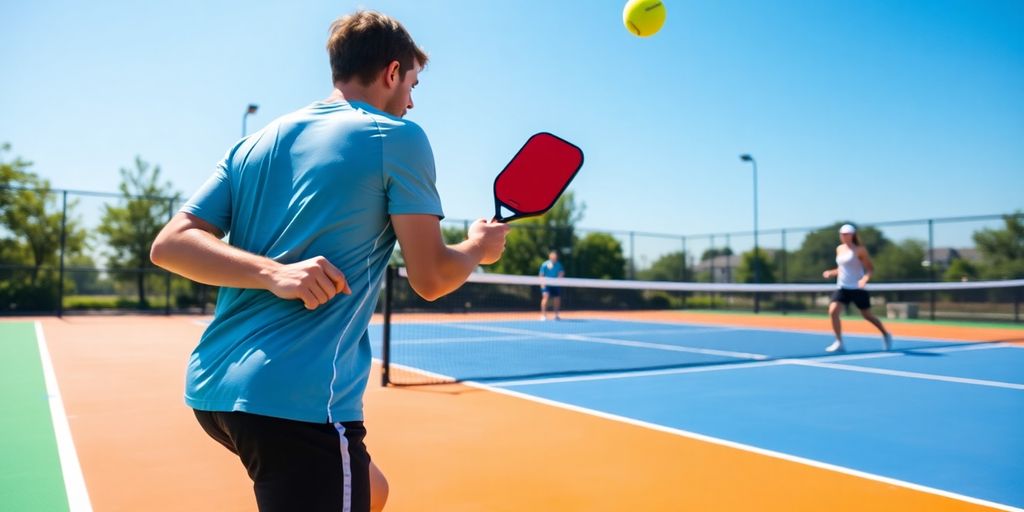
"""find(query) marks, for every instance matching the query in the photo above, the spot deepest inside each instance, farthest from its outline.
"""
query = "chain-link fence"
(65, 251)
(922, 250)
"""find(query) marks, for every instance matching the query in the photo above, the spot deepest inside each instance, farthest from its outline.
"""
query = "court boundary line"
(908, 374)
(532, 335)
(823, 332)
(732, 327)
(616, 342)
(71, 469)
(454, 340)
(750, 364)
(748, 448)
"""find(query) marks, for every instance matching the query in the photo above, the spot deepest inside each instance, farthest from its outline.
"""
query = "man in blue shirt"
(550, 268)
(314, 203)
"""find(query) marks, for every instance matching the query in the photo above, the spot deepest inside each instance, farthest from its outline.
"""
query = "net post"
(785, 277)
(682, 273)
(63, 241)
(711, 296)
(632, 256)
(728, 262)
(1016, 304)
(931, 268)
(385, 367)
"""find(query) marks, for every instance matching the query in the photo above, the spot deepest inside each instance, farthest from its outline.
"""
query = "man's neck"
(355, 92)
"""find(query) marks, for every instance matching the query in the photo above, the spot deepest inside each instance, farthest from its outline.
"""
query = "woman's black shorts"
(858, 296)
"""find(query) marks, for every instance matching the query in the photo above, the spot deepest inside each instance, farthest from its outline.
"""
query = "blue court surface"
(943, 415)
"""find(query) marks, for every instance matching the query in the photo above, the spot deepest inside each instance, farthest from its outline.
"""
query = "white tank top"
(850, 269)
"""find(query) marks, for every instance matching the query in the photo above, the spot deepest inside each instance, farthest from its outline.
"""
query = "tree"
(818, 250)
(13, 174)
(35, 217)
(745, 271)
(31, 218)
(960, 270)
(452, 234)
(668, 267)
(715, 252)
(599, 255)
(1002, 250)
(129, 229)
(901, 262)
(530, 240)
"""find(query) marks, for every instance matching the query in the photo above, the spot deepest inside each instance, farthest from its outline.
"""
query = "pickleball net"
(491, 329)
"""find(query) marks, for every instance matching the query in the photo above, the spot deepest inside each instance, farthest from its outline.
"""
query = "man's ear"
(392, 74)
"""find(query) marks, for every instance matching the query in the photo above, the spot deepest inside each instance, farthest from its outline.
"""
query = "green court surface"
(30, 471)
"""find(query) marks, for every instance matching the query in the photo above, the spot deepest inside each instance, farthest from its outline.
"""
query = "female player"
(853, 271)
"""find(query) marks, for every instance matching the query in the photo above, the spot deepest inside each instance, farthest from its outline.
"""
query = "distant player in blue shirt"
(550, 268)
(314, 203)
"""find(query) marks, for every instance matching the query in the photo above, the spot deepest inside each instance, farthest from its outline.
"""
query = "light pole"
(248, 111)
(757, 253)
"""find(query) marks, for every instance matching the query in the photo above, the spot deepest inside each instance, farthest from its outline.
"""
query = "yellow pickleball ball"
(644, 18)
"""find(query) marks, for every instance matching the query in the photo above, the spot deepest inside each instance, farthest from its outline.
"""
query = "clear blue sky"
(869, 110)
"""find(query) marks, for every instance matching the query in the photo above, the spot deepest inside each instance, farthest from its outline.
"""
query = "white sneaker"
(836, 346)
(887, 342)
(543, 318)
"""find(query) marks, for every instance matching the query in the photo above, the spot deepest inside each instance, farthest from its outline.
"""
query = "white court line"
(977, 345)
(748, 448)
(467, 339)
(912, 375)
(638, 373)
(535, 334)
(823, 332)
(612, 341)
(679, 330)
(74, 481)
(735, 366)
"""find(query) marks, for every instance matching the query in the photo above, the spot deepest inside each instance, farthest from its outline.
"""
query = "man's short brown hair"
(362, 44)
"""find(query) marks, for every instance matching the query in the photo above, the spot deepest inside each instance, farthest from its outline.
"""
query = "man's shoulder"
(400, 131)
(388, 123)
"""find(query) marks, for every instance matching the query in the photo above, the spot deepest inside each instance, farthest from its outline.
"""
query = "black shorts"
(551, 291)
(295, 465)
(859, 297)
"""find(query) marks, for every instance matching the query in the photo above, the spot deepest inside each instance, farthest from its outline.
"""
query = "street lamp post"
(757, 253)
(248, 111)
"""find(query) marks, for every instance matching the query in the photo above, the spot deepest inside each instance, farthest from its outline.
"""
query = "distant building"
(722, 269)
(944, 256)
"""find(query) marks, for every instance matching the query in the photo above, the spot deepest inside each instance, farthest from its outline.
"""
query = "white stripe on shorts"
(346, 468)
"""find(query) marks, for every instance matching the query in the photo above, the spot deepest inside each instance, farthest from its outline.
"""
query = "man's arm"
(191, 247)
(436, 269)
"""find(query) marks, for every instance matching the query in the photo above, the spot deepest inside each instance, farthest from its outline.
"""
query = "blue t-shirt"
(550, 270)
(321, 181)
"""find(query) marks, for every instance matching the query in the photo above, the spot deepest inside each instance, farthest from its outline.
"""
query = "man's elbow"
(157, 253)
(428, 287)
(428, 292)
(160, 253)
